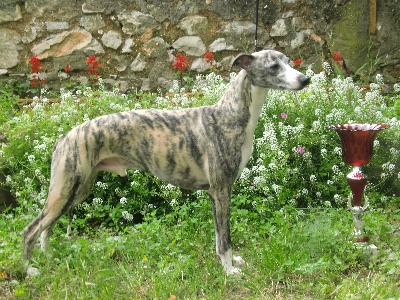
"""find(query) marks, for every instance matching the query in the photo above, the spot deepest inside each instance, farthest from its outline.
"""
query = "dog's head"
(271, 69)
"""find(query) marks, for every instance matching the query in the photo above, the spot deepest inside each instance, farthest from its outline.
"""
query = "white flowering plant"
(296, 161)
(27, 138)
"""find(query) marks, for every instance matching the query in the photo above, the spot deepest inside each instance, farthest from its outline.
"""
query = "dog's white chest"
(258, 95)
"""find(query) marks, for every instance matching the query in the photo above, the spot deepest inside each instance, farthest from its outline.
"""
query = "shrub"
(8, 102)
(297, 159)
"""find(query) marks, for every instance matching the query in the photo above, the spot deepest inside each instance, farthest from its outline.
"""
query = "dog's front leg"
(220, 200)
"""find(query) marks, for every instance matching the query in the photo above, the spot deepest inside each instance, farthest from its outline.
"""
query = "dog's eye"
(274, 66)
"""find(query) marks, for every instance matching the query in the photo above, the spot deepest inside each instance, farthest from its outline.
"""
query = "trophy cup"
(357, 145)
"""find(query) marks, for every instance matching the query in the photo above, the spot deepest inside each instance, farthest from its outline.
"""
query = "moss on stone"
(350, 36)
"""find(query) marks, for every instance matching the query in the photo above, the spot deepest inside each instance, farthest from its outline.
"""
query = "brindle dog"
(203, 148)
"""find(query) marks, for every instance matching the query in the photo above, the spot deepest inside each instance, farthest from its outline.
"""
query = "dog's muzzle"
(303, 81)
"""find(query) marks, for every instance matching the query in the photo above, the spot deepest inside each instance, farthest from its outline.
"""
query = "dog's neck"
(243, 95)
(258, 95)
(257, 100)
(245, 100)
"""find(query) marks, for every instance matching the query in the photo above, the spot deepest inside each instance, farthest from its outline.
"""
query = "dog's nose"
(305, 81)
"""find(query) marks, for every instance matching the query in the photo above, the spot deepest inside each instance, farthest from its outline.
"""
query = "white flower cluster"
(175, 87)
(336, 170)
(379, 79)
(127, 216)
(97, 202)
(276, 188)
(324, 152)
(269, 139)
(334, 115)
(389, 167)
(327, 68)
(123, 201)
(212, 85)
(102, 185)
(338, 151)
(319, 81)
(313, 178)
(171, 193)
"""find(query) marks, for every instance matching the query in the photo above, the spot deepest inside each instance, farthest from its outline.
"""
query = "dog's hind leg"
(60, 200)
(42, 224)
(220, 200)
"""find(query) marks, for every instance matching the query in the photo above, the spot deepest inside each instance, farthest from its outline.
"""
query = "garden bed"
(137, 237)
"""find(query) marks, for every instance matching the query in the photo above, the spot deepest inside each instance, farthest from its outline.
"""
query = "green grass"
(293, 255)
(290, 253)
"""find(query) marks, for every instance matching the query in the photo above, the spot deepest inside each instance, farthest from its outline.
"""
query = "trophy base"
(361, 240)
(367, 249)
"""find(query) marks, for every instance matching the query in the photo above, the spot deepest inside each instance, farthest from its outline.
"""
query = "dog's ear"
(243, 61)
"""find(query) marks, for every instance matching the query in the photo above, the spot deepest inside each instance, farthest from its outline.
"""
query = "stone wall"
(136, 41)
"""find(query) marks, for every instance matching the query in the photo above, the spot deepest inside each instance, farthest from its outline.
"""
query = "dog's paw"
(234, 271)
(31, 272)
(231, 270)
(238, 261)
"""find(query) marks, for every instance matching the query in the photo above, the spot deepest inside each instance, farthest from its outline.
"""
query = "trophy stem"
(357, 183)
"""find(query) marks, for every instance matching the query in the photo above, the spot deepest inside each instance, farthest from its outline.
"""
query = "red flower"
(209, 57)
(67, 68)
(37, 81)
(93, 68)
(337, 56)
(36, 66)
(297, 62)
(92, 61)
(181, 62)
